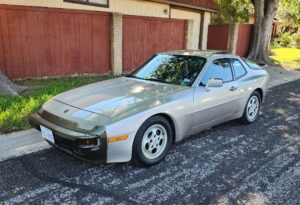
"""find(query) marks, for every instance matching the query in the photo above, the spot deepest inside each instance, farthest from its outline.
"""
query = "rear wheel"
(252, 108)
(153, 141)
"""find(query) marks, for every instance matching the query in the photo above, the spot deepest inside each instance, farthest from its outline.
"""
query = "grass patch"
(15, 110)
(286, 57)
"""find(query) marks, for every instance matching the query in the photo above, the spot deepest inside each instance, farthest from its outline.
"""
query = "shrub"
(297, 40)
(285, 40)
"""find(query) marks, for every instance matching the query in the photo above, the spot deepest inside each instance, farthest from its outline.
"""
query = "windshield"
(171, 69)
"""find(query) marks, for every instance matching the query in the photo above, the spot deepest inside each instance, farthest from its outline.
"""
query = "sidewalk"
(20, 143)
(28, 141)
(280, 76)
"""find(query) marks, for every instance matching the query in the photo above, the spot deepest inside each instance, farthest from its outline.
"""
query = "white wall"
(196, 17)
(205, 30)
(133, 7)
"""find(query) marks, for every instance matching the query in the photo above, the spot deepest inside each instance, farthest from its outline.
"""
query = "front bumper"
(73, 142)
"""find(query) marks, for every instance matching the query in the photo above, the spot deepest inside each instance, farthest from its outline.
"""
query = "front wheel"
(252, 108)
(153, 141)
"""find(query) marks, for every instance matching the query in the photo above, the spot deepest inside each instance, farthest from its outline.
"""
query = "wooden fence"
(37, 42)
(145, 36)
(218, 38)
(244, 39)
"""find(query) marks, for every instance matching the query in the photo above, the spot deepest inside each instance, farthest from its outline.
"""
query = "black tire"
(245, 118)
(138, 156)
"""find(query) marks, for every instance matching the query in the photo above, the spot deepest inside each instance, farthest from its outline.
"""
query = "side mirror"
(214, 83)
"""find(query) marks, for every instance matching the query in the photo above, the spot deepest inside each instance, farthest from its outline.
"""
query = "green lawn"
(15, 110)
(286, 57)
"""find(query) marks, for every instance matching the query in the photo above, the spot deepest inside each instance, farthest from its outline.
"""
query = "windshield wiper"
(133, 76)
(156, 80)
(149, 79)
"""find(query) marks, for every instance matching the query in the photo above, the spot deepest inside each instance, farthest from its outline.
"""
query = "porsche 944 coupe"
(139, 116)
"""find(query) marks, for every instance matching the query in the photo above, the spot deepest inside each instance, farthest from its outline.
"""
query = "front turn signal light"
(119, 138)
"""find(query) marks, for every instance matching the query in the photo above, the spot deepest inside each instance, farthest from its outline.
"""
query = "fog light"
(89, 142)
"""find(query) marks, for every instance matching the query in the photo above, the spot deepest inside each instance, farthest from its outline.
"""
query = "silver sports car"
(139, 116)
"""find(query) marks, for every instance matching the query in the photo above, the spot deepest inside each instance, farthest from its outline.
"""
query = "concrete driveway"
(229, 164)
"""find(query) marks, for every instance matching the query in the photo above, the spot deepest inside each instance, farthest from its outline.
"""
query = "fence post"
(189, 34)
(233, 38)
(205, 19)
(116, 43)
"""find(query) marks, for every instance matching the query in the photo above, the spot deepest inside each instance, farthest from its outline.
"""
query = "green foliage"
(233, 11)
(15, 110)
(288, 40)
(285, 40)
(297, 40)
(289, 11)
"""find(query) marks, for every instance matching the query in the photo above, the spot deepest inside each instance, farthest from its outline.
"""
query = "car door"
(240, 73)
(214, 105)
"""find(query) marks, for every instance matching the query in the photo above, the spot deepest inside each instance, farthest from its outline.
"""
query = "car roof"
(200, 53)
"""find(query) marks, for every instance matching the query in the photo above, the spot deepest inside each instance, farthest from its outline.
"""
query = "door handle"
(233, 88)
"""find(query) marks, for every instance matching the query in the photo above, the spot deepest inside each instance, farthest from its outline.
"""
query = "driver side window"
(219, 68)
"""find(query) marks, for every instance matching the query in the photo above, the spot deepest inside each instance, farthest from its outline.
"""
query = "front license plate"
(47, 134)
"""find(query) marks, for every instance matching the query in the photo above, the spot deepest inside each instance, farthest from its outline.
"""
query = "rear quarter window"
(239, 70)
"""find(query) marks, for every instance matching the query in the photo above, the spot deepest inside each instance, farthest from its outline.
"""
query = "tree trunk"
(9, 88)
(265, 11)
(232, 39)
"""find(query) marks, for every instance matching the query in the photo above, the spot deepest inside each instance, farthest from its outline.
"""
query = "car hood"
(118, 97)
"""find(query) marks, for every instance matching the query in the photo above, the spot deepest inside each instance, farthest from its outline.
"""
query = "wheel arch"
(261, 93)
(171, 121)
